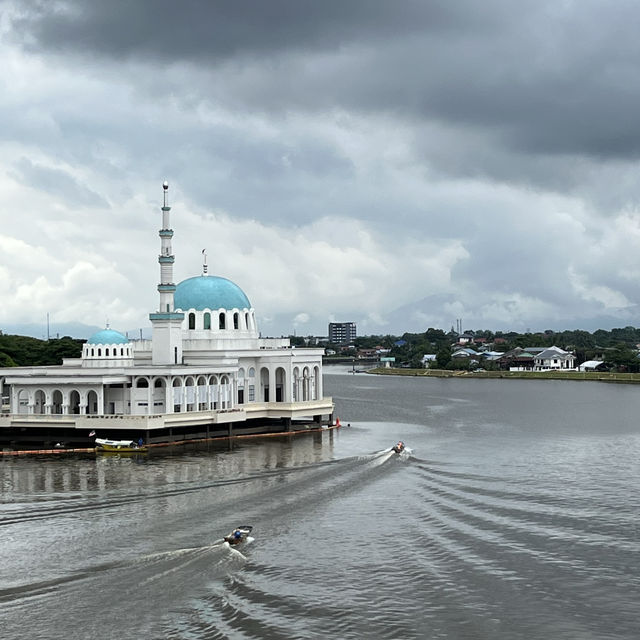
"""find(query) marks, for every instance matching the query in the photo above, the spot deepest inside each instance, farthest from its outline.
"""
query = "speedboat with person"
(238, 535)
(398, 448)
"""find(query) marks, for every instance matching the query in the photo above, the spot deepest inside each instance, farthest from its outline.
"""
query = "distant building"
(592, 365)
(517, 359)
(427, 359)
(464, 353)
(342, 332)
(554, 358)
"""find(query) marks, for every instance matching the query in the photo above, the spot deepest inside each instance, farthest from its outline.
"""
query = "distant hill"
(59, 329)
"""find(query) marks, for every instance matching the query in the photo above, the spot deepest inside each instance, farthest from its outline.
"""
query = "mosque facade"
(204, 364)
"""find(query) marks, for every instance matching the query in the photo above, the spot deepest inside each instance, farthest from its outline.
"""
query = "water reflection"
(32, 479)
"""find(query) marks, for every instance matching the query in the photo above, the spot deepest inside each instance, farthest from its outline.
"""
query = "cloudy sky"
(398, 163)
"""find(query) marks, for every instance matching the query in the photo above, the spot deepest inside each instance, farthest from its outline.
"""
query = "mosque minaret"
(166, 323)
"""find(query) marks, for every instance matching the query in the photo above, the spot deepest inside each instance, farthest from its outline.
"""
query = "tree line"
(617, 347)
(24, 351)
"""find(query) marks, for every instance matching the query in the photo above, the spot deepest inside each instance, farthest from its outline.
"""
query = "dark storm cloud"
(215, 29)
(541, 78)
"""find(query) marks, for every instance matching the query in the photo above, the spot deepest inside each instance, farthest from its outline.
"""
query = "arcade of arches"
(148, 394)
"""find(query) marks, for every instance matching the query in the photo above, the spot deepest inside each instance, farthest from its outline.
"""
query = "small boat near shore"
(118, 446)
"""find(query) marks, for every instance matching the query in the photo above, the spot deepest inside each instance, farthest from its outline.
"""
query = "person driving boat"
(399, 447)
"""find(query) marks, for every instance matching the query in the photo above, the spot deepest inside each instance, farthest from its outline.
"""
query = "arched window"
(106, 352)
(207, 320)
(142, 383)
(246, 321)
(177, 395)
(281, 387)
(264, 384)
(222, 321)
(99, 352)
(235, 321)
(56, 402)
(192, 321)
(93, 352)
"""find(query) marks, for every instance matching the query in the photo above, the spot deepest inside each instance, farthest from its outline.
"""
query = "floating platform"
(300, 429)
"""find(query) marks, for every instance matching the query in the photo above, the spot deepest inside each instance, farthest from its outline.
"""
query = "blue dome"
(209, 292)
(108, 336)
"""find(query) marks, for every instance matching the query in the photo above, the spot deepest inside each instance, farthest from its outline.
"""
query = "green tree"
(623, 358)
(443, 356)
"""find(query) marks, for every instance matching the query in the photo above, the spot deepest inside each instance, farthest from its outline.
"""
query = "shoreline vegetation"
(597, 376)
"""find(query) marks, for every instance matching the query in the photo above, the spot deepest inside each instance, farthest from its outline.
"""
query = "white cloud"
(330, 185)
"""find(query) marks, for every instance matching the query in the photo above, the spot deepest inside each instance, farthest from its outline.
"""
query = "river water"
(515, 515)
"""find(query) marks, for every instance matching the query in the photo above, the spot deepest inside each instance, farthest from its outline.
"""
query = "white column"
(272, 384)
(48, 403)
(101, 401)
(286, 385)
(168, 396)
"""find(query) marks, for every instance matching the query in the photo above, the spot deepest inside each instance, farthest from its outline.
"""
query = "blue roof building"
(206, 362)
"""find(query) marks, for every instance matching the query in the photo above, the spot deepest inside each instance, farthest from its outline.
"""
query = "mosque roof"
(108, 336)
(209, 292)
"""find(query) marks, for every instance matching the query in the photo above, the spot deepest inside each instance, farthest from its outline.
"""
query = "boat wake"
(388, 454)
(234, 552)
(144, 583)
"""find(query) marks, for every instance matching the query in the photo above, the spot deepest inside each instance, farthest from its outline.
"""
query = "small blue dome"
(209, 292)
(108, 336)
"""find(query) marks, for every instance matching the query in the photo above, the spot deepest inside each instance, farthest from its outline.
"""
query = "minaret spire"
(166, 322)
(166, 288)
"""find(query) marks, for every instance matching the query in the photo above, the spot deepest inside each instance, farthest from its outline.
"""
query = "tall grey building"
(342, 332)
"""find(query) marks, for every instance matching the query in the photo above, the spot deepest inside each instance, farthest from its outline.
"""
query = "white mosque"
(205, 365)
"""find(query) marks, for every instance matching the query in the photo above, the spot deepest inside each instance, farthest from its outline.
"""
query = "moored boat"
(119, 446)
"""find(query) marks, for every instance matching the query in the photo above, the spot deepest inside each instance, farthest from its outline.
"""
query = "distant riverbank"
(599, 376)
